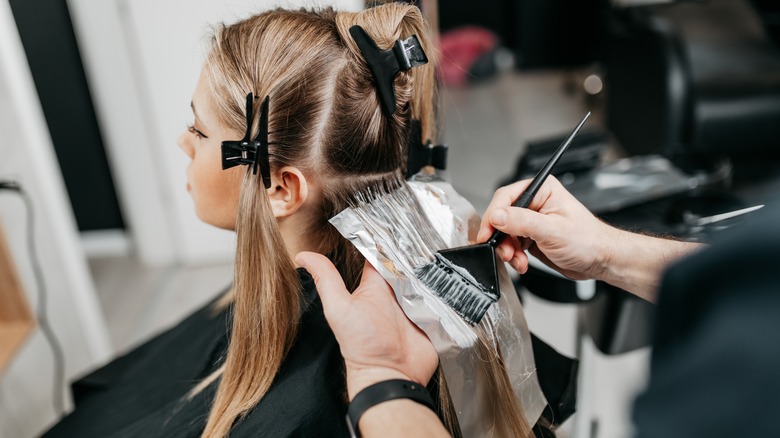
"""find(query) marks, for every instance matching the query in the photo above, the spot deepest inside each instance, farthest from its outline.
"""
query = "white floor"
(486, 126)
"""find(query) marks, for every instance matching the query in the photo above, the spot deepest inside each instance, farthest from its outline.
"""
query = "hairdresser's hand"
(377, 340)
(558, 230)
(555, 228)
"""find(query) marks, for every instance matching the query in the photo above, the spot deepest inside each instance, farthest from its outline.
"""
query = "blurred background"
(685, 97)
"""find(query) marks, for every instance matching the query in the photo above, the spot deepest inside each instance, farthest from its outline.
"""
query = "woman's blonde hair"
(325, 119)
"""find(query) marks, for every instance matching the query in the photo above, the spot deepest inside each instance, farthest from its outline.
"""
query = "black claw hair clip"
(423, 154)
(385, 64)
(255, 151)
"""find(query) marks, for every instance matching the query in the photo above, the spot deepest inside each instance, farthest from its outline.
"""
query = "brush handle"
(528, 195)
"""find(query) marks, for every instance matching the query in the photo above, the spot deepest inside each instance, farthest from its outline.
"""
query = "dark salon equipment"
(693, 78)
(584, 154)
(542, 34)
(617, 321)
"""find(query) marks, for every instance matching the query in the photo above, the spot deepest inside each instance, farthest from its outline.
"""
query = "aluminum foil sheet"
(398, 232)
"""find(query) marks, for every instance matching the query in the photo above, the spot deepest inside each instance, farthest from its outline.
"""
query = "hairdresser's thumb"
(330, 286)
(372, 278)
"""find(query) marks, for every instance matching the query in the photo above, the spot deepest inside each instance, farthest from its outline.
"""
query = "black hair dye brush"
(466, 278)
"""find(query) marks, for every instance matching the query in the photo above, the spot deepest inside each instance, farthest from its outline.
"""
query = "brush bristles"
(467, 298)
(391, 213)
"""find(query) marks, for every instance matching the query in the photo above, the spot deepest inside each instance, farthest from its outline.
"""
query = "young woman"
(261, 361)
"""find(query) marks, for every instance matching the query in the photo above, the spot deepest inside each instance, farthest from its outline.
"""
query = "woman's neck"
(294, 231)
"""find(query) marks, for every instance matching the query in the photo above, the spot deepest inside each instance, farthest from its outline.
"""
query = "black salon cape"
(143, 394)
(715, 369)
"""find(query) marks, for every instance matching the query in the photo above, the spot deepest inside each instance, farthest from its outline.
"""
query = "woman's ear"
(288, 192)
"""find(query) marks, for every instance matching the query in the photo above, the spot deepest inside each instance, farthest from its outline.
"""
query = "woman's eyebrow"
(197, 119)
(194, 112)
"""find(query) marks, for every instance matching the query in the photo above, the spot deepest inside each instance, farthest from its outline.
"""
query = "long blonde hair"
(324, 119)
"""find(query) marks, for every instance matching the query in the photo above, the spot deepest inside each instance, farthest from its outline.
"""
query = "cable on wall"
(41, 315)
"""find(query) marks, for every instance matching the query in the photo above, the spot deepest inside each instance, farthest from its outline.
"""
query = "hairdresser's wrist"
(401, 417)
(361, 377)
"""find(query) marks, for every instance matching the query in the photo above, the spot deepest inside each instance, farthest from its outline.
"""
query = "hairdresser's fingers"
(330, 286)
(507, 248)
(519, 262)
(513, 253)
(517, 245)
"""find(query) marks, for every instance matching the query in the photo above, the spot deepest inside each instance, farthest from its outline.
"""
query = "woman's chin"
(214, 222)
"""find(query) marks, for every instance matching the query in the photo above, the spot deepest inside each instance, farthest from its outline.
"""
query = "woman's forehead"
(202, 103)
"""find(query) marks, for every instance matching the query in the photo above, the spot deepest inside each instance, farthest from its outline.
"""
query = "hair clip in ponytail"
(255, 151)
(423, 154)
(385, 64)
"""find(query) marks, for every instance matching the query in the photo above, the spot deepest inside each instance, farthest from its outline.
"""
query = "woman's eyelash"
(191, 128)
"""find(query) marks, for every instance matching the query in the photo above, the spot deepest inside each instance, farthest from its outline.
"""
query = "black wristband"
(382, 392)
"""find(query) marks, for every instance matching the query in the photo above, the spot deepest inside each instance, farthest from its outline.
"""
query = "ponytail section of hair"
(265, 312)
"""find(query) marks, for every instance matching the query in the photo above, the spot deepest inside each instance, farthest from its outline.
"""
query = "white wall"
(27, 156)
(143, 58)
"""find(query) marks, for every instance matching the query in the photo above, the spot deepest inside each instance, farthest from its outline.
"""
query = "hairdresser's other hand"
(377, 340)
(558, 230)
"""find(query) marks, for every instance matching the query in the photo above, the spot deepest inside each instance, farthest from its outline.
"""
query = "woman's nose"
(184, 144)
